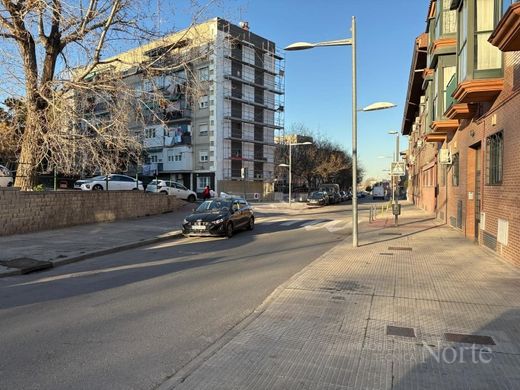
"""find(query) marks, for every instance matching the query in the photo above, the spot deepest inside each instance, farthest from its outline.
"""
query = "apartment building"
(463, 122)
(208, 106)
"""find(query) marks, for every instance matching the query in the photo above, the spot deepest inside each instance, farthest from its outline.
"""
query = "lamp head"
(379, 106)
(299, 46)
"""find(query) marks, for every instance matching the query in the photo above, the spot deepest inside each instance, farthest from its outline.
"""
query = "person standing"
(206, 194)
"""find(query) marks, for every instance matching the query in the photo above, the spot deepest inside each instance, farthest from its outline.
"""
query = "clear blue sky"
(318, 81)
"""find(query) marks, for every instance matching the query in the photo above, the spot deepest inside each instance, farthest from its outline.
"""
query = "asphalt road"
(131, 319)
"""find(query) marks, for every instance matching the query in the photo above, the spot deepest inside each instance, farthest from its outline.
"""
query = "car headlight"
(218, 221)
(185, 222)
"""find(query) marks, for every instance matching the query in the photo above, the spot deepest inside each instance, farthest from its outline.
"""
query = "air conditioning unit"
(419, 143)
(445, 157)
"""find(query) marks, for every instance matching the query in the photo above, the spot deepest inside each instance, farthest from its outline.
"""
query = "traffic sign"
(397, 168)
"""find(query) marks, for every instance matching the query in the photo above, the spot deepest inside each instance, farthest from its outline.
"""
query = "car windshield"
(316, 195)
(97, 178)
(214, 205)
(154, 182)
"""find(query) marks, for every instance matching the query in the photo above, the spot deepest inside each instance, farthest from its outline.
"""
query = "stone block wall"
(24, 212)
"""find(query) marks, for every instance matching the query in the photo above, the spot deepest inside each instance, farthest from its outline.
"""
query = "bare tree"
(54, 52)
(321, 162)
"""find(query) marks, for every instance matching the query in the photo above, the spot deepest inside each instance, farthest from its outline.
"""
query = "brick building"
(462, 119)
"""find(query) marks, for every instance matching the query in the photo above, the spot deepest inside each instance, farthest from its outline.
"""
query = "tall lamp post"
(395, 181)
(373, 107)
(290, 165)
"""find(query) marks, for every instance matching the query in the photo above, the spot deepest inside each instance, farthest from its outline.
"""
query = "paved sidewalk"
(63, 246)
(327, 328)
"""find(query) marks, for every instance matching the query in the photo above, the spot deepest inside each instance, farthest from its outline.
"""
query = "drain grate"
(26, 264)
(386, 254)
(399, 248)
(469, 339)
(400, 331)
(390, 234)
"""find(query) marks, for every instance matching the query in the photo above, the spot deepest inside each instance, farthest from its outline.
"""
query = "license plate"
(197, 227)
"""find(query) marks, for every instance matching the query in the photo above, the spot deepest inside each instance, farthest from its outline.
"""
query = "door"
(478, 190)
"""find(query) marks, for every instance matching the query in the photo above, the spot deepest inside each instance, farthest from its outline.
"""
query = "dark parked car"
(318, 198)
(219, 217)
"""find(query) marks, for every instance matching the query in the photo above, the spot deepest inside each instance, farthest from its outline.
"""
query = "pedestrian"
(212, 193)
(206, 194)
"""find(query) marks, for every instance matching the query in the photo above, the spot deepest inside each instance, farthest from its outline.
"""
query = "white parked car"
(6, 179)
(115, 183)
(169, 187)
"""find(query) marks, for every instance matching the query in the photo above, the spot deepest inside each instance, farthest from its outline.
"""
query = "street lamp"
(395, 199)
(373, 107)
(290, 165)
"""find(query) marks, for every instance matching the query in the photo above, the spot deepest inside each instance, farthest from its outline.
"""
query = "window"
(203, 156)
(149, 133)
(448, 73)
(202, 182)
(455, 170)
(203, 129)
(203, 101)
(204, 74)
(249, 73)
(153, 158)
(494, 158)
(487, 56)
(445, 23)
(178, 157)
(248, 55)
(463, 42)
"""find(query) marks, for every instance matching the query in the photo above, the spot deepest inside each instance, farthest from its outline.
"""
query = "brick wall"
(499, 201)
(24, 212)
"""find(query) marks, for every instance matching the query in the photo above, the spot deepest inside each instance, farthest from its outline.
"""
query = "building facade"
(463, 122)
(208, 106)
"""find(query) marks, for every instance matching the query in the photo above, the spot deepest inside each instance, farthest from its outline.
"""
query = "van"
(6, 179)
(378, 192)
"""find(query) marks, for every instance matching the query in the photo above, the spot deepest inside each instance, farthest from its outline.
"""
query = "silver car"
(169, 187)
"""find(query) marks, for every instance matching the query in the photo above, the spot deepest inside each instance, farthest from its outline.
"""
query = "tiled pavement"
(328, 328)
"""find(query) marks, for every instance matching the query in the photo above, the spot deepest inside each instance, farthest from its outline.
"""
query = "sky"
(318, 83)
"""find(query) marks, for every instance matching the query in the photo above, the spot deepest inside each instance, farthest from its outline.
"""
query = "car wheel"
(229, 230)
(97, 187)
(135, 189)
(251, 224)
(164, 192)
(10, 184)
(191, 198)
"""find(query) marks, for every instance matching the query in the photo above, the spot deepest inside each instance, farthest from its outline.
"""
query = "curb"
(107, 251)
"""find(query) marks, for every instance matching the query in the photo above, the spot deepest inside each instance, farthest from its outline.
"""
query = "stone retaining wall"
(24, 212)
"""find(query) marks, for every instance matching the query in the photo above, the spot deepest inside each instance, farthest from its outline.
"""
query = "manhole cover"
(26, 264)
(469, 339)
(400, 331)
(399, 248)
(390, 234)
(386, 254)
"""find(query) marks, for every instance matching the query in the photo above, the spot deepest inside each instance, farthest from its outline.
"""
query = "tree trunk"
(26, 177)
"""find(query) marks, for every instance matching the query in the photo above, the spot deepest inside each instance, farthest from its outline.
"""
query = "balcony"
(454, 109)
(507, 33)
(478, 91)
(441, 46)
(444, 126)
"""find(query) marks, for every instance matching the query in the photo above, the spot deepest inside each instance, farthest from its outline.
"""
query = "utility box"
(396, 209)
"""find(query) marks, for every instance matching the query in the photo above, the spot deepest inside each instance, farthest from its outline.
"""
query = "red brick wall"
(501, 201)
